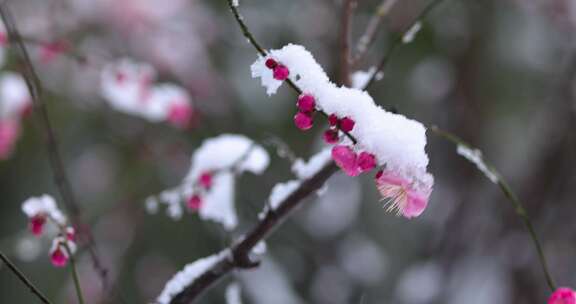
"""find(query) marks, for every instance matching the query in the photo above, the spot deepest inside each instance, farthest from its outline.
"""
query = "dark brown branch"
(240, 253)
(41, 112)
(345, 36)
(397, 41)
(24, 280)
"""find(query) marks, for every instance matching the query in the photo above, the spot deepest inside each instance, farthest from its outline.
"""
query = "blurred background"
(499, 73)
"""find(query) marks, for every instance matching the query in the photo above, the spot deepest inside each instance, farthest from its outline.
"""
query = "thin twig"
(345, 37)
(59, 172)
(74, 274)
(511, 196)
(397, 41)
(24, 280)
(372, 28)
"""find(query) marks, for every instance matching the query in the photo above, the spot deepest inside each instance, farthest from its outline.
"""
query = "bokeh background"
(499, 73)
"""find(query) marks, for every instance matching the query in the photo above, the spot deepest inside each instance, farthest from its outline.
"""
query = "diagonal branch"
(369, 36)
(41, 112)
(24, 280)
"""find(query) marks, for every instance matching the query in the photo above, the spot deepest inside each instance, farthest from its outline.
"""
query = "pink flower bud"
(333, 120)
(58, 257)
(331, 136)
(70, 234)
(281, 72)
(563, 295)
(49, 51)
(37, 224)
(303, 121)
(271, 63)
(306, 103)
(346, 159)
(347, 124)
(180, 115)
(366, 161)
(206, 180)
(195, 203)
(379, 174)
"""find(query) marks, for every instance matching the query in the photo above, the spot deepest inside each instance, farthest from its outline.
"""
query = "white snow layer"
(411, 33)
(475, 156)
(233, 295)
(186, 276)
(46, 205)
(14, 95)
(396, 141)
(217, 155)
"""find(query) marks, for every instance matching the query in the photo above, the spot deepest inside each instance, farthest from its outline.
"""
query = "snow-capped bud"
(303, 121)
(366, 161)
(281, 72)
(347, 124)
(271, 63)
(194, 203)
(206, 180)
(37, 224)
(333, 120)
(346, 159)
(58, 257)
(563, 295)
(306, 103)
(331, 136)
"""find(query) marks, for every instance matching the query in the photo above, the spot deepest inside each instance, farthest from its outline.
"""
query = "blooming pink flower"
(366, 161)
(195, 203)
(180, 115)
(306, 103)
(9, 133)
(347, 124)
(206, 180)
(37, 224)
(331, 136)
(333, 120)
(346, 159)
(563, 295)
(271, 63)
(281, 72)
(400, 195)
(303, 121)
(58, 257)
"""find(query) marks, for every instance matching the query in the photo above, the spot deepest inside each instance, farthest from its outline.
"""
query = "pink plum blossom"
(331, 136)
(58, 257)
(346, 159)
(563, 295)
(206, 180)
(366, 161)
(281, 72)
(180, 115)
(194, 203)
(306, 103)
(303, 121)
(37, 224)
(347, 124)
(400, 195)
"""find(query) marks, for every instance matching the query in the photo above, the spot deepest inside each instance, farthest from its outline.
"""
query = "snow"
(281, 191)
(14, 95)
(360, 78)
(475, 157)
(44, 204)
(304, 170)
(411, 33)
(397, 142)
(226, 155)
(186, 276)
(233, 295)
(235, 3)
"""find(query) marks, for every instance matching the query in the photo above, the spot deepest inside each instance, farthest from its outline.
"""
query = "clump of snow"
(304, 170)
(360, 78)
(14, 95)
(475, 157)
(411, 32)
(46, 205)
(397, 142)
(129, 87)
(233, 295)
(235, 3)
(281, 191)
(186, 276)
(224, 156)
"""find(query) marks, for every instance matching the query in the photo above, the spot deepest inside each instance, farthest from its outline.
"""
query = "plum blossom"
(129, 87)
(563, 295)
(60, 251)
(401, 196)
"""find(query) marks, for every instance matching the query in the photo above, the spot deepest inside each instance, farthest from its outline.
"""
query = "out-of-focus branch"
(41, 112)
(345, 37)
(239, 257)
(24, 280)
(396, 42)
(511, 196)
(369, 35)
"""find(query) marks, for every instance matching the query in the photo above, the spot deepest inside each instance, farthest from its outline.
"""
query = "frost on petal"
(411, 33)
(233, 294)
(563, 295)
(14, 96)
(398, 143)
(9, 133)
(186, 276)
(475, 157)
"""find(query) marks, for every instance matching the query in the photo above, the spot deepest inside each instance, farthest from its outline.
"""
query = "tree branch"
(24, 280)
(345, 36)
(41, 112)
(369, 35)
